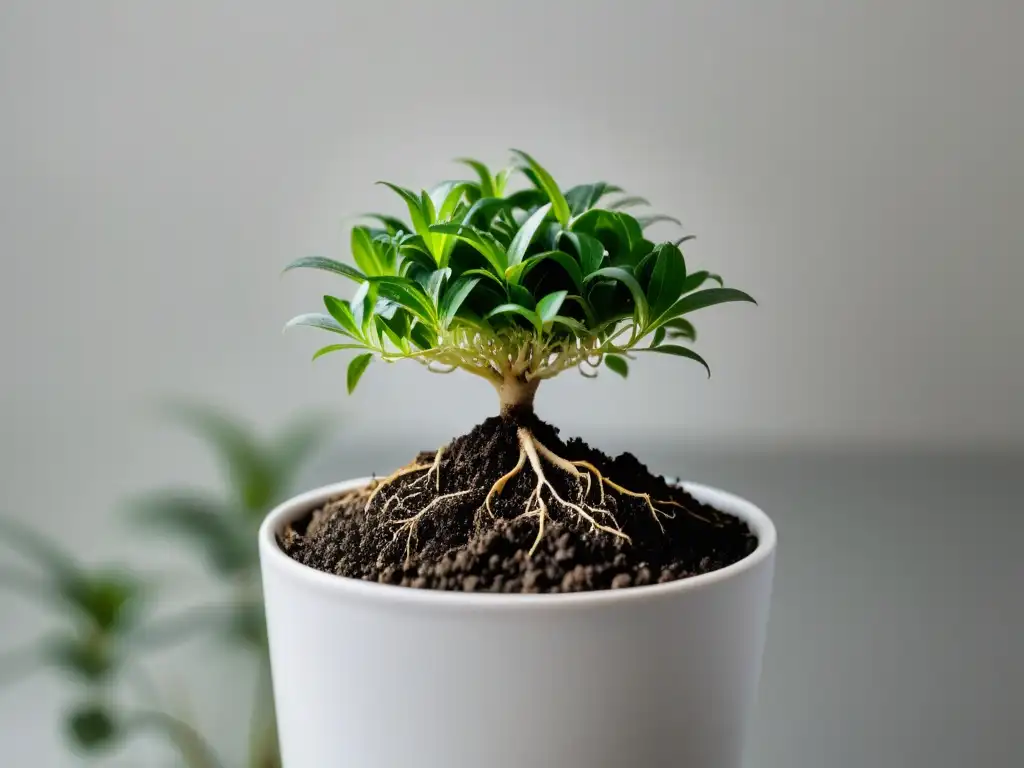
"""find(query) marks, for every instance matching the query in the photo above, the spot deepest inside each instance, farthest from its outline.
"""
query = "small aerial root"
(652, 504)
(382, 484)
(531, 449)
(409, 523)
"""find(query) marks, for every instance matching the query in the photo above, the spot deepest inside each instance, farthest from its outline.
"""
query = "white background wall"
(858, 167)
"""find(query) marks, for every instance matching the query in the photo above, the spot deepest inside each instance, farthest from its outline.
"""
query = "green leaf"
(583, 197)
(414, 203)
(521, 241)
(673, 349)
(624, 277)
(573, 325)
(516, 274)
(659, 337)
(548, 306)
(694, 281)
(392, 224)
(91, 728)
(706, 298)
(483, 242)
(356, 369)
(667, 278)
(409, 295)
(455, 296)
(341, 312)
(519, 295)
(682, 240)
(589, 250)
(446, 198)
(516, 309)
(484, 210)
(487, 188)
(335, 348)
(627, 202)
(545, 182)
(318, 320)
(422, 336)
(327, 265)
(364, 252)
(646, 221)
(617, 364)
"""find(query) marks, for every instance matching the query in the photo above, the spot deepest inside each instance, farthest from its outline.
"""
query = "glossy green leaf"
(589, 250)
(549, 305)
(487, 188)
(523, 238)
(564, 260)
(667, 278)
(318, 320)
(454, 297)
(559, 205)
(392, 224)
(516, 309)
(341, 313)
(673, 349)
(409, 295)
(521, 296)
(414, 203)
(335, 348)
(624, 277)
(659, 337)
(364, 252)
(706, 298)
(327, 265)
(356, 369)
(583, 197)
(422, 336)
(483, 242)
(617, 364)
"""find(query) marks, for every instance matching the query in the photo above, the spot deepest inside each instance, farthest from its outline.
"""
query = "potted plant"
(636, 633)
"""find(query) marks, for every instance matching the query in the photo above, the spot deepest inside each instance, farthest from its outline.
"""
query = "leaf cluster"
(524, 283)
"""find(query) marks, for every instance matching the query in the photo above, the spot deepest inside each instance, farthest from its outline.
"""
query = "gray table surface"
(897, 624)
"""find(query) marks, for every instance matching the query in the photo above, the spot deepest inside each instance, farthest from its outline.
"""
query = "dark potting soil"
(457, 544)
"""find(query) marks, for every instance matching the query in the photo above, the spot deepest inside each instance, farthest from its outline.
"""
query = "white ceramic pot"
(375, 676)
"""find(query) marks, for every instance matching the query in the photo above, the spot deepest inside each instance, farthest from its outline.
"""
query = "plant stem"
(516, 395)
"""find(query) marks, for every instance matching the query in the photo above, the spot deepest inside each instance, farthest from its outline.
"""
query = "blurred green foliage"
(108, 615)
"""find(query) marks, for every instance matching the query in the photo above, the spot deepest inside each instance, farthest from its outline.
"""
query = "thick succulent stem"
(516, 396)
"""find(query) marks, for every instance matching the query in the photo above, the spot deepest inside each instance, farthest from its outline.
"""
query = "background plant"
(108, 620)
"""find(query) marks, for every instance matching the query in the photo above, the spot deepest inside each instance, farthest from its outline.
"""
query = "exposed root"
(530, 449)
(381, 484)
(435, 469)
(410, 523)
(652, 504)
(500, 484)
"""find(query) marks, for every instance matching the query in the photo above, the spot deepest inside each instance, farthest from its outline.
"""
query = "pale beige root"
(652, 504)
(410, 523)
(500, 484)
(530, 449)
(383, 483)
(435, 470)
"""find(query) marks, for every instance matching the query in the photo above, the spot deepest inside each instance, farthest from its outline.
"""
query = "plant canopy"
(513, 286)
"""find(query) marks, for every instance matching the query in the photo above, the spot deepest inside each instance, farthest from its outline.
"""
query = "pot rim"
(273, 558)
